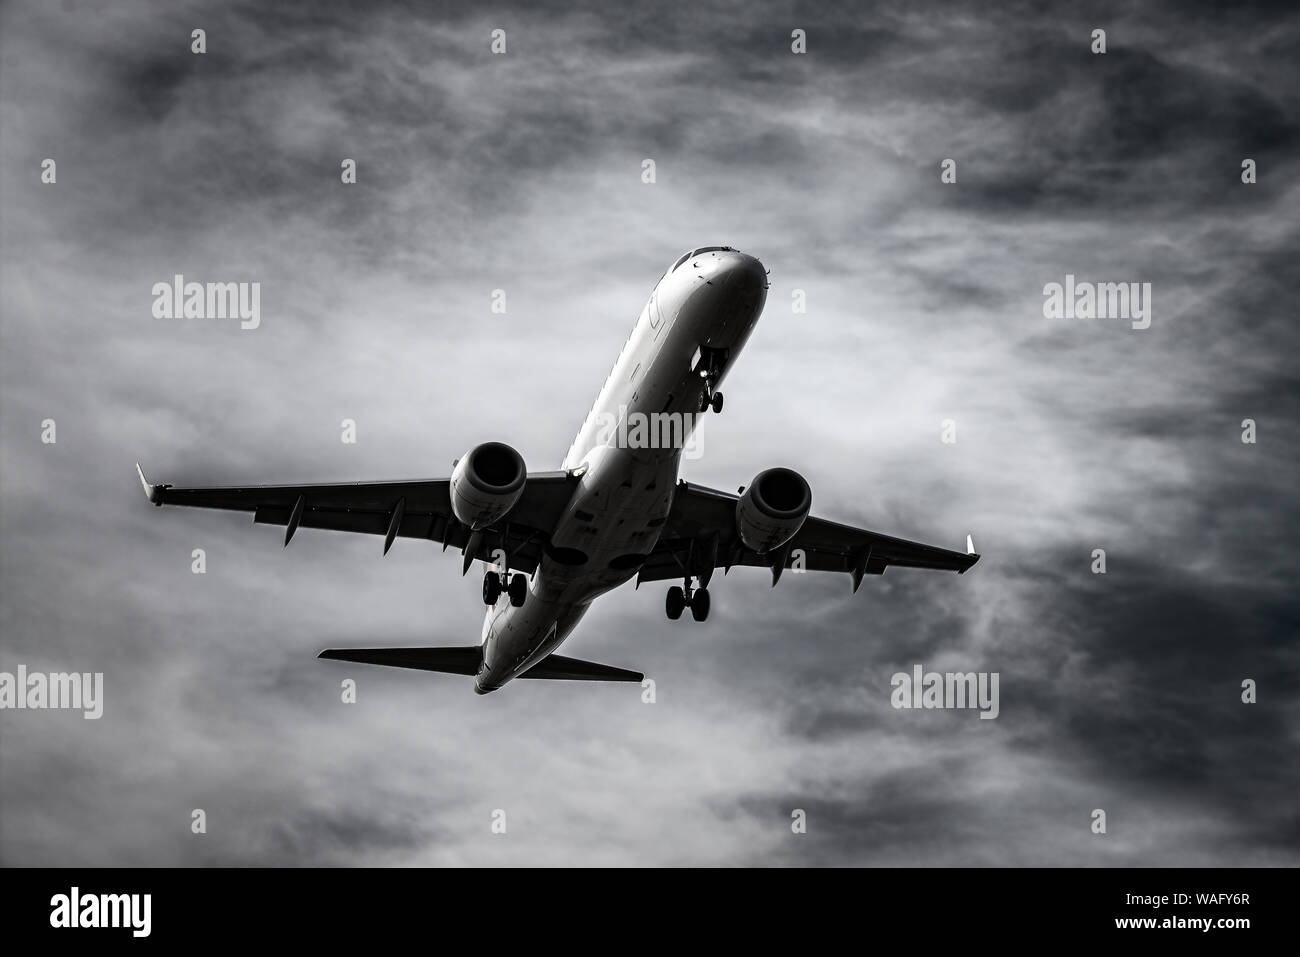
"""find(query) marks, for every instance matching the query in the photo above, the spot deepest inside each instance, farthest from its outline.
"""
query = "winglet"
(970, 545)
(152, 492)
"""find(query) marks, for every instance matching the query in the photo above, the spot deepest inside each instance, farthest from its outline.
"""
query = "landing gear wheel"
(717, 402)
(675, 602)
(518, 589)
(700, 604)
(491, 588)
(704, 402)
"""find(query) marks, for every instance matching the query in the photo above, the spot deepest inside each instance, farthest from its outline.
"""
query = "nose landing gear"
(710, 369)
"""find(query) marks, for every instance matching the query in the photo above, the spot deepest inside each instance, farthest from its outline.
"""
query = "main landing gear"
(679, 598)
(516, 588)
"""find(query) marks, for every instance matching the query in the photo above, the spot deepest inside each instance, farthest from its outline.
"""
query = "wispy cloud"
(522, 172)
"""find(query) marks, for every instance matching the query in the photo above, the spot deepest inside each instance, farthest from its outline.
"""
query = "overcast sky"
(522, 172)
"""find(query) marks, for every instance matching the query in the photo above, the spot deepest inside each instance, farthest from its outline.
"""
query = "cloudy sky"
(522, 172)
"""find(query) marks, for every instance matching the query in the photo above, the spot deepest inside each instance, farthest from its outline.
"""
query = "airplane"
(555, 541)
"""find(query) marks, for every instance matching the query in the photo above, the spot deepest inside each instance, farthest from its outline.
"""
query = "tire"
(700, 604)
(491, 588)
(518, 589)
(675, 602)
(717, 402)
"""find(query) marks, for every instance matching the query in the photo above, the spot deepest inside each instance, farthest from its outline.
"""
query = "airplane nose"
(745, 271)
(728, 283)
(735, 271)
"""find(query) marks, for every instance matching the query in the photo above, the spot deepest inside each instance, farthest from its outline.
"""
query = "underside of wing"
(410, 509)
(701, 535)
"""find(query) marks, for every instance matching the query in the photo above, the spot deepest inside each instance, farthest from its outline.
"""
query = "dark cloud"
(522, 172)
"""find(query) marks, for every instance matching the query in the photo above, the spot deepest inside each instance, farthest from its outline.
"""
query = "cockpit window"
(702, 249)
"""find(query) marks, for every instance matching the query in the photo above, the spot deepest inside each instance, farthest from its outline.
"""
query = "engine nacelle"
(486, 483)
(773, 509)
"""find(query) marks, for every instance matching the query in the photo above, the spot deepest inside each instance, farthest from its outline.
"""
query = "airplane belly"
(611, 524)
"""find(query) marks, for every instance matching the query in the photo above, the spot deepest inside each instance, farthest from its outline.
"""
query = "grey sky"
(522, 172)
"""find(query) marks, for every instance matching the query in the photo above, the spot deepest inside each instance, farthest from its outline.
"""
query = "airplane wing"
(700, 535)
(415, 509)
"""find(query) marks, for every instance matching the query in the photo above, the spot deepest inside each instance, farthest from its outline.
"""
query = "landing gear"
(516, 589)
(679, 599)
(675, 602)
(700, 604)
(710, 369)
(710, 399)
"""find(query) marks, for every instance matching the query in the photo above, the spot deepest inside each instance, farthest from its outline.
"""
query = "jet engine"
(486, 483)
(773, 509)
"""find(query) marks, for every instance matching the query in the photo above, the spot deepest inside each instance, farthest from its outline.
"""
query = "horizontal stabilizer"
(465, 660)
(462, 660)
(575, 669)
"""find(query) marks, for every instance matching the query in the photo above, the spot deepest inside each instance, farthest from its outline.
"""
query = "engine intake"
(773, 509)
(486, 483)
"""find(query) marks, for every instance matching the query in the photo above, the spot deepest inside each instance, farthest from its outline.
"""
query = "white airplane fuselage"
(700, 313)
